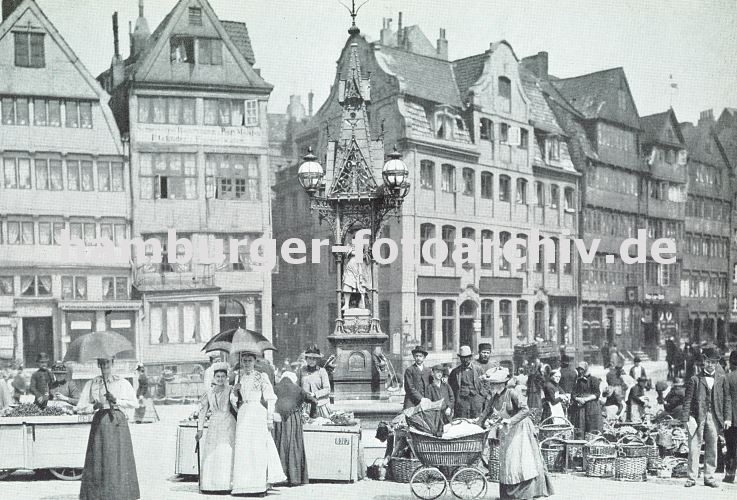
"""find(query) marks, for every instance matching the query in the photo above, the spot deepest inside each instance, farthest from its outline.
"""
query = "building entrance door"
(38, 337)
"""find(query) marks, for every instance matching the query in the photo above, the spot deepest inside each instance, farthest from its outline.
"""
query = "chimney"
(537, 65)
(9, 6)
(310, 101)
(295, 110)
(400, 32)
(442, 48)
(706, 118)
(116, 65)
(386, 32)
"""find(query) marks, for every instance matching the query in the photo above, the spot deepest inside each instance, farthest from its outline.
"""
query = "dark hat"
(59, 367)
(710, 352)
(636, 360)
(733, 357)
(661, 385)
(42, 356)
(484, 346)
(438, 368)
(642, 379)
(565, 360)
(420, 349)
(313, 352)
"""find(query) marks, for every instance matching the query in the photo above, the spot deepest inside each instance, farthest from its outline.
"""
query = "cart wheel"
(67, 474)
(428, 483)
(468, 482)
(5, 473)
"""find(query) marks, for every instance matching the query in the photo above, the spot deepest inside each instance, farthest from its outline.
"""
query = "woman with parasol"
(522, 474)
(256, 462)
(109, 466)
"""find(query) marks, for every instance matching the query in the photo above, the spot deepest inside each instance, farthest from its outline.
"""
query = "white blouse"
(94, 392)
(254, 386)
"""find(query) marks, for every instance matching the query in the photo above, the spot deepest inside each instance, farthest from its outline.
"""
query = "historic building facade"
(64, 170)
(487, 162)
(194, 111)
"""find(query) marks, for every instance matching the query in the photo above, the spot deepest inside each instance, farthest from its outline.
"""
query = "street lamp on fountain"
(358, 189)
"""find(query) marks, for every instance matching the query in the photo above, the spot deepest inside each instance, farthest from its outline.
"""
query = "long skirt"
(216, 453)
(522, 474)
(289, 440)
(109, 466)
(256, 463)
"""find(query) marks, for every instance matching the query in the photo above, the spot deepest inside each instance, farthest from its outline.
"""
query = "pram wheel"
(468, 482)
(428, 483)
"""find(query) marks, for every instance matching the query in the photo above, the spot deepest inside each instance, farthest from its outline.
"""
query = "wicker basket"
(600, 456)
(494, 463)
(654, 461)
(548, 430)
(632, 447)
(553, 450)
(630, 468)
(435, 452)
(401, 469)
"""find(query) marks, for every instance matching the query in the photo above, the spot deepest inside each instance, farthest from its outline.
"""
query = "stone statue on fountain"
(357, 282)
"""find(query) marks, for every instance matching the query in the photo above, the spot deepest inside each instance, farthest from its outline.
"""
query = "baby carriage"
(448, 462)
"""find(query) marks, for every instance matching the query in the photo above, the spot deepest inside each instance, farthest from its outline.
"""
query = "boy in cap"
(708, 413)
(437, 390)
(466, 384)
(416, 379)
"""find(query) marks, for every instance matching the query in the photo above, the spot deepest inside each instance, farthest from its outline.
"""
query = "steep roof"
(468, 70)
(595, 96)
(420, 76)
(238, 33)
(541, 115)
(654, 125)
(697, 142)
(728, 138)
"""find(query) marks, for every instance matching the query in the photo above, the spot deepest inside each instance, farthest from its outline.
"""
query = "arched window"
(448, 180)
(449, 236)
(427, 232)
(522, 327)
(522, 251)
(568, 266)
(553, 259)
(487, 185)
(504, 237)
(468, 181)
(449, 324)
(427, 323)
(487, 318)
(505, 313)
(554, 196)
(444, 126)
(540, 194)
(487, 259)
(522, 191)
(505, 94)
(540, 319)
(569, 200)
(485, 129)
(427, 174)
(504, 188)
(232, 314)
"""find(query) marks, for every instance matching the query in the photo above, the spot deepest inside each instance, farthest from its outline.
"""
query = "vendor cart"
(448, 462)
(56, 443)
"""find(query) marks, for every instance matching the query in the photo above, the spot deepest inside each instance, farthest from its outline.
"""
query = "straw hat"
(497, 375)
(464, 351)
(220, 366)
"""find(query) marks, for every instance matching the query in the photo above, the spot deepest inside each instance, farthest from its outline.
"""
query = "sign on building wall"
(192, 134)
(627, 321)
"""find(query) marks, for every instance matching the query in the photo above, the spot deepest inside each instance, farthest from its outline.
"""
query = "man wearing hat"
(482, 364)
(65, 389)
(568, 374)
(437, 391)
(730, 435)
(466, 384)
(672, 397)
(636, 401)
(708, 413)
(416, 379)
(41, 380)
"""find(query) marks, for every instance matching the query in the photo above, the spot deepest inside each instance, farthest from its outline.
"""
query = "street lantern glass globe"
(395, 171)
(310, 173)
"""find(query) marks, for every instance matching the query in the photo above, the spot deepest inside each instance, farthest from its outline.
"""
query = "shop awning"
(105, 305)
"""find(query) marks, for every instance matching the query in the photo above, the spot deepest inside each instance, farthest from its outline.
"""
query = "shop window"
(29, 50)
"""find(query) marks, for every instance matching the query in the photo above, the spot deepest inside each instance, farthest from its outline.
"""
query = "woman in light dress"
(216, 450)
(256, 463)
(522, 474)
(316, 382)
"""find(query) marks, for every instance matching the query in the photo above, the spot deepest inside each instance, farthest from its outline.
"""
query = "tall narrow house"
(63, 169)
(193, 109)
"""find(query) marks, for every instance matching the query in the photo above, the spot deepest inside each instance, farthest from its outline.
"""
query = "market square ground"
(155, 446)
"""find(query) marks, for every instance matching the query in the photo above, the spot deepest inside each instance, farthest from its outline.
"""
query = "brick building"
(193, 110)
(64, 169)
(487, 161)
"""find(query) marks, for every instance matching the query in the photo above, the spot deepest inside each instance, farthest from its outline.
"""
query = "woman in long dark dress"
(555, 398)
(109, 466)
(585, 410)
(288, 435)
(522, 473)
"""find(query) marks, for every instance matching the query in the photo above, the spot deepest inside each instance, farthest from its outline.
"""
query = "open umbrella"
(239, 339)
(97, 345)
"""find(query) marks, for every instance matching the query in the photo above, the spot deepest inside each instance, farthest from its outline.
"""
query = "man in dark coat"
(670, 358)
(568, 375)
(437, 391)
(42, 381)
(481, 365)
(730, 435)
(708, 413)
(672, 397)
(416, 379)
(605, 354)
(466, 384)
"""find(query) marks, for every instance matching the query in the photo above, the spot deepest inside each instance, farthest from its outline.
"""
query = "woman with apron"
(554, 397)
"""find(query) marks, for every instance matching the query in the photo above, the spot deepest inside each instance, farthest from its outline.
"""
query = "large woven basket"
(631, 446)
(494, 463)
(435, 452)
(401, 469)
(630, 468)
(600, 456)
(552, 429)
(654, 461)
(553, 450)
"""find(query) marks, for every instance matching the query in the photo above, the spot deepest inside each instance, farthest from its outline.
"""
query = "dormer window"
(459, 123)
(29, 50)
(553, 146)
(485, 129)
(195, 16)
(182, 49)
(505, 94)
(210, 51)
(444, 125)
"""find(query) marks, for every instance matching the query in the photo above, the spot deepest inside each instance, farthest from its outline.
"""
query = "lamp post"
(348, 195)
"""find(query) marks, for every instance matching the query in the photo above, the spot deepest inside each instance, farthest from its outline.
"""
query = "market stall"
(53, 441)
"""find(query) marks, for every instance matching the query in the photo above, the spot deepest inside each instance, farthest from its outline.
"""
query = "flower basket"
(561, 430)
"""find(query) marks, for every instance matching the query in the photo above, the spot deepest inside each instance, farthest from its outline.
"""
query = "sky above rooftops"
(296, 42)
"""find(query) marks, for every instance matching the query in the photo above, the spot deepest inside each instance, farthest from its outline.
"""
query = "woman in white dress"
(216, 450)
(256, 463)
